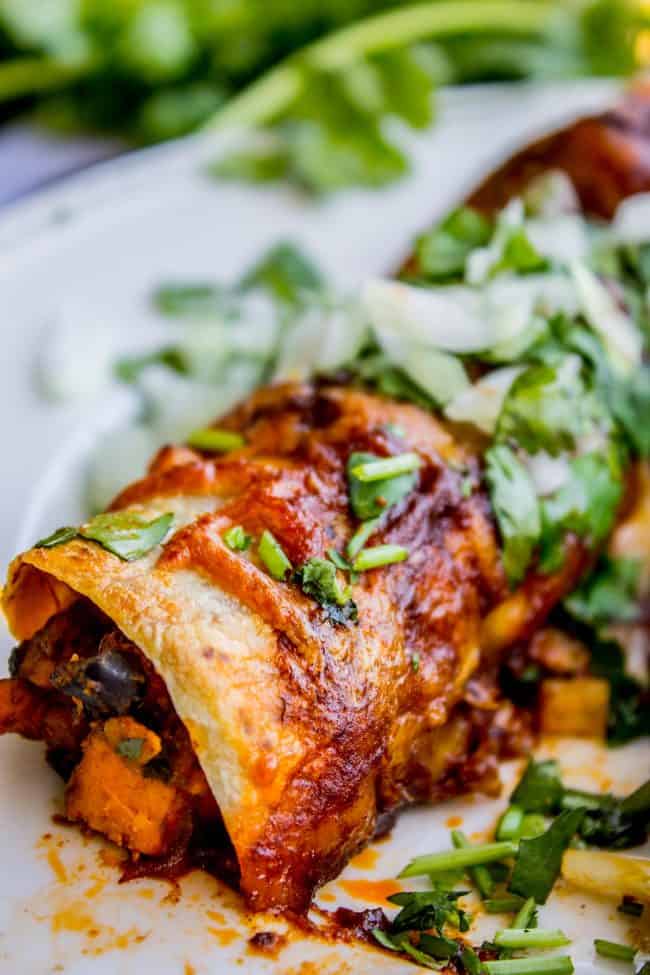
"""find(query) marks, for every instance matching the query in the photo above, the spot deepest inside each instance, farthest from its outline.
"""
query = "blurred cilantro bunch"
(327, 74)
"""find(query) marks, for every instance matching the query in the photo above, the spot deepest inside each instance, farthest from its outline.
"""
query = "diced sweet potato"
(109, 792)
(574, 707)
(21, 708)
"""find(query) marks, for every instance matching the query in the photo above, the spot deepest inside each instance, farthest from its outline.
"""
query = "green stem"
(375, 558)
(272, 94)
(510, 823)
(530, 938)
(610, 949)
(555, 965)
(480, 875)
(380, 470)
(361, 536)
(525, 914)
(28, 76)
(472, 856)
(502, 905)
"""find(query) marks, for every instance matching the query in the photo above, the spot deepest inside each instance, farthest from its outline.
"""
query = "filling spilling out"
(111, 732)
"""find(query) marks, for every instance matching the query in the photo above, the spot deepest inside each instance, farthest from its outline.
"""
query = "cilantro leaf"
(540, 788)
(629, 401)
(609, 593)
(129, 368)
(318, 579)
(519, 255)
(123, 533)
(548, 407)
(286, 273)
(376, 370)
(516, 506)
(187, 300)
(443, 250)
(127, 534)
(422, 910)
(539, 859)
(402, 942)
(371, 499)
(59, 537)
(438, 946)
(586, 504)
(629, 707)
(130, 748)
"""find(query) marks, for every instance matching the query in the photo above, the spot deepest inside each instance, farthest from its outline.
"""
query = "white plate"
(105, 239)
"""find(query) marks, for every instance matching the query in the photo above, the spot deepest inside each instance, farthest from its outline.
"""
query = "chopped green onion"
(610, 949)
(438, 946)
(510, 823)
(272, 555)
(480, 875)
(525, 915)
(370, 499)
(471, 961)
(384, 940)
(215, 441)
(338, 560)
(555, 965)
(361, 536)
(373, 558)
(415, 662)
(380, 470)
(503, 905)
(524, 919)
(432, 863)
(237, 539)
(530, 938)
(533, 824)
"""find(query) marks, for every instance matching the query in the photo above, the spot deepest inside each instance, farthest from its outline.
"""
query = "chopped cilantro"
(629, 401)
(443, 250)
(286, 273)
(610, 593)
(540, 788)
(422, 910)
(318, 579)
(548, 407)
(539, 859)
(519, 255)
(516, 507)
(58, 537)
(586, 505)
(123, 533)
(130, 748)
(188, 300)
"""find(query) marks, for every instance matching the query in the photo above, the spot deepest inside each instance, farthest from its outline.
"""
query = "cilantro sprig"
(126, 534)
